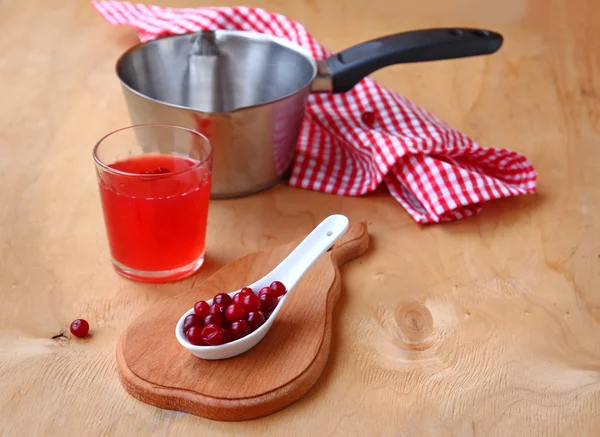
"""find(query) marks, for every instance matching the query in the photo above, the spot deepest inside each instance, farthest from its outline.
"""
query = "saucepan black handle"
(351, 65)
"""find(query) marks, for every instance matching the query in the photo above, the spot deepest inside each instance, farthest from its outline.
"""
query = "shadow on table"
(508, 212)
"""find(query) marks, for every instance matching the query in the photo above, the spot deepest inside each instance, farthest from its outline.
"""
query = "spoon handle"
(292, 268)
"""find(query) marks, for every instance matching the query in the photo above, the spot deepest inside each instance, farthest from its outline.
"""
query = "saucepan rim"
(243, 33)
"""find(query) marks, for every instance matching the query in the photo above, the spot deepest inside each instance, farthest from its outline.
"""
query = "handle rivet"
(329, 233)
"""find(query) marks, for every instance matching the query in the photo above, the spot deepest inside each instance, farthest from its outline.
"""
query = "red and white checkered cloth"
(435, 172)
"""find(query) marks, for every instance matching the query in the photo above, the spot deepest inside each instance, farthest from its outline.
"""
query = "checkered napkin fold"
(352, 142)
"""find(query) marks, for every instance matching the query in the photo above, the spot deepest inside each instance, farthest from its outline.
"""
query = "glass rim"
(109, 169)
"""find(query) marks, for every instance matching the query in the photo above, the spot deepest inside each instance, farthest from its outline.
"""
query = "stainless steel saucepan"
(247, 91)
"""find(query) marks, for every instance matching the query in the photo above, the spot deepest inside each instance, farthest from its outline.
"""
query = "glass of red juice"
(154, 183)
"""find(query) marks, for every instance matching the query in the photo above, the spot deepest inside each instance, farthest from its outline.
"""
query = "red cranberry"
(239, 329)
(251, 302)
(161, 170)
(278, 288)
(194, 335)
(226, 336)
(268, 302)
(222, 299)
(237, 298)
(267, 315)
(368, 118)
(201, 308)
(79, 328)
(235, 312)
(216, 308)
(212, 334)
(264, 290)
(215, 319)
(255, 319)
(192, 320)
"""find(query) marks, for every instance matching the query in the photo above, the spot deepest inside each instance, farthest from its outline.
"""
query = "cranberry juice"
(155, 216)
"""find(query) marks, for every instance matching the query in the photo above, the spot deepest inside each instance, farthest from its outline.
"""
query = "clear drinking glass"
(154, 183)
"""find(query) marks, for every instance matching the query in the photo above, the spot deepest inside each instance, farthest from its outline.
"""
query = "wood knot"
(416, 325)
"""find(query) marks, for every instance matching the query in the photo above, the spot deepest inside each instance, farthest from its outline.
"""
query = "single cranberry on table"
(255, 319)
(192, 320)
(79, 328)
(194, 335)
(268, 302)
(235, 312)
(201, 308)
(278, 288)
(251, 302)
(239, 329)
(215, 319)
(212, 334)
(222, 299)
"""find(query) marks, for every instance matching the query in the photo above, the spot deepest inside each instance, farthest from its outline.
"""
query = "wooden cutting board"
(156, 369)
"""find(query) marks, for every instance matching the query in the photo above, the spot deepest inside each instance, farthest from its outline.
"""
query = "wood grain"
(484, 327)
(277, 372)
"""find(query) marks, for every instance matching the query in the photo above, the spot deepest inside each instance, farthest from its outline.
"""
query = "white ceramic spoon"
(289, 272)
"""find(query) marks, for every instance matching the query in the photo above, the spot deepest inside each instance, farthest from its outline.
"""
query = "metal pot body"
(253, 148)
(245, 92)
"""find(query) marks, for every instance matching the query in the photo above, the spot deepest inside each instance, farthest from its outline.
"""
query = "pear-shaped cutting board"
(286, 364)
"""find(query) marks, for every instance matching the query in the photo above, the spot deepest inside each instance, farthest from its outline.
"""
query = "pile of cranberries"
(229, 319)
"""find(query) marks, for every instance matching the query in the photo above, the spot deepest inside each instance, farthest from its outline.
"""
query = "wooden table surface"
(488, 326)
